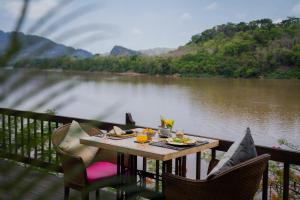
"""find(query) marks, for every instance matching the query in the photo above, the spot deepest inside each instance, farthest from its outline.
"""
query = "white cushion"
(71, 144)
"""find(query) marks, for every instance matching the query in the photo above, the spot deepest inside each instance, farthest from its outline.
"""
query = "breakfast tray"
(178, 148)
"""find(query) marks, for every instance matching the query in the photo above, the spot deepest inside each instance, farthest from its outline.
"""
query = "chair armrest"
(74, 169)
(177, 187)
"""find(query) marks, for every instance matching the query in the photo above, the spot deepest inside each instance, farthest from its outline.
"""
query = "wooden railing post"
(128, 120)
(265, 183)
(286, 180)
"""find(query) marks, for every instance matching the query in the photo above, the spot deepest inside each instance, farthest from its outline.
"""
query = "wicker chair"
(238, 183)
(75, 172)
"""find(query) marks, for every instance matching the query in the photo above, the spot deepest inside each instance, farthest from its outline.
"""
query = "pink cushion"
(99, 170)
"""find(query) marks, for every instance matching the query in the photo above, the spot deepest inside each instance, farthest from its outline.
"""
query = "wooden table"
(129, 146)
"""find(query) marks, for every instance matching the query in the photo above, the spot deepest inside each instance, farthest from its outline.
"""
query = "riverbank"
(284, 75)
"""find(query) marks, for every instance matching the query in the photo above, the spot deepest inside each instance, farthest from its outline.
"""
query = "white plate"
(190, 142)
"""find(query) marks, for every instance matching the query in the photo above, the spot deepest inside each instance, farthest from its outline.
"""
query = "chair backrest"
(241, 181)
(73, 166)
(237, 183)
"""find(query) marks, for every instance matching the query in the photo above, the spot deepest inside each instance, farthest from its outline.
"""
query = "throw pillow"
(71, 144)
(241, 150)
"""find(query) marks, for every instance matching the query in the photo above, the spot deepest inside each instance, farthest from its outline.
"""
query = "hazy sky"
(97, 25)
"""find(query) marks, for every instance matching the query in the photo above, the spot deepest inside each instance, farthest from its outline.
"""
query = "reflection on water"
(212, 107)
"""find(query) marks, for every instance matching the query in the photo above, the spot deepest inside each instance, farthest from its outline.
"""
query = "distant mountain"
(155, 51)
(33, 47)
(122, 51)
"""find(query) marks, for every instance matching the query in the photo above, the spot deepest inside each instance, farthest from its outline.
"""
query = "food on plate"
(181, 140)
(118, 131)
(179, 134)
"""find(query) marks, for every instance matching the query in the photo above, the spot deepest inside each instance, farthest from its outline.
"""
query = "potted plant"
(165, 127)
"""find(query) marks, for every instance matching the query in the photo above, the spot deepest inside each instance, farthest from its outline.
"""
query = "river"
(215, 107)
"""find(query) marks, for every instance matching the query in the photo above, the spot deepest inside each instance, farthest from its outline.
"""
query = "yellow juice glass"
(141, 138)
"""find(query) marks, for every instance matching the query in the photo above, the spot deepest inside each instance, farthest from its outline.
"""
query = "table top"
(128, 146)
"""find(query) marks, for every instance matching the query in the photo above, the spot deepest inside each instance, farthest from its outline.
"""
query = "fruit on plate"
(181, 140)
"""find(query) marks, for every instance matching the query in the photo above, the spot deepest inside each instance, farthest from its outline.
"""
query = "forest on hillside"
(256, 49)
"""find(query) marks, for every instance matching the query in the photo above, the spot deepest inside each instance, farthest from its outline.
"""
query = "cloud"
(296, 9)
(36, 8)
(185, 16)
(212, 6)
(240, 16)
(277, 21)
(136, 31)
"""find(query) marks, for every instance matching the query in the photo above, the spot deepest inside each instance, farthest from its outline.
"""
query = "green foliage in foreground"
(259, 48)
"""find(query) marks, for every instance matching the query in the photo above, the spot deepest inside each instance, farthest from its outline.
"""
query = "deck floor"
(26, 183)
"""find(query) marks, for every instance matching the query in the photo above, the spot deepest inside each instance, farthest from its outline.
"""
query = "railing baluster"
(49, 142)
(265, 183)
(28, 138)
(3, 133)
(144, 164)
(157, 175)
(22, 136)
(42, 140)
(9, 134)
(286, 180)
(35, 139)
(56, 156)
(16, 134)
(198, 165)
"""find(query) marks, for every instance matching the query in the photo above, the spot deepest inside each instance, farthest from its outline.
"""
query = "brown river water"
(215, 107)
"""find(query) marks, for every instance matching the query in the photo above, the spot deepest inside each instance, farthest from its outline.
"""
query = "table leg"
(166, 168)
(198, 165)
(183, 173)
(133, 168)
(157, 175)
(143, 181)
(118, 172)
(177, 166)
(133, 164)
(122, 164)
(118, 163)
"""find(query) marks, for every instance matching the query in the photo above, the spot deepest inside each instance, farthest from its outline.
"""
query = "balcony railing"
(26, 137)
